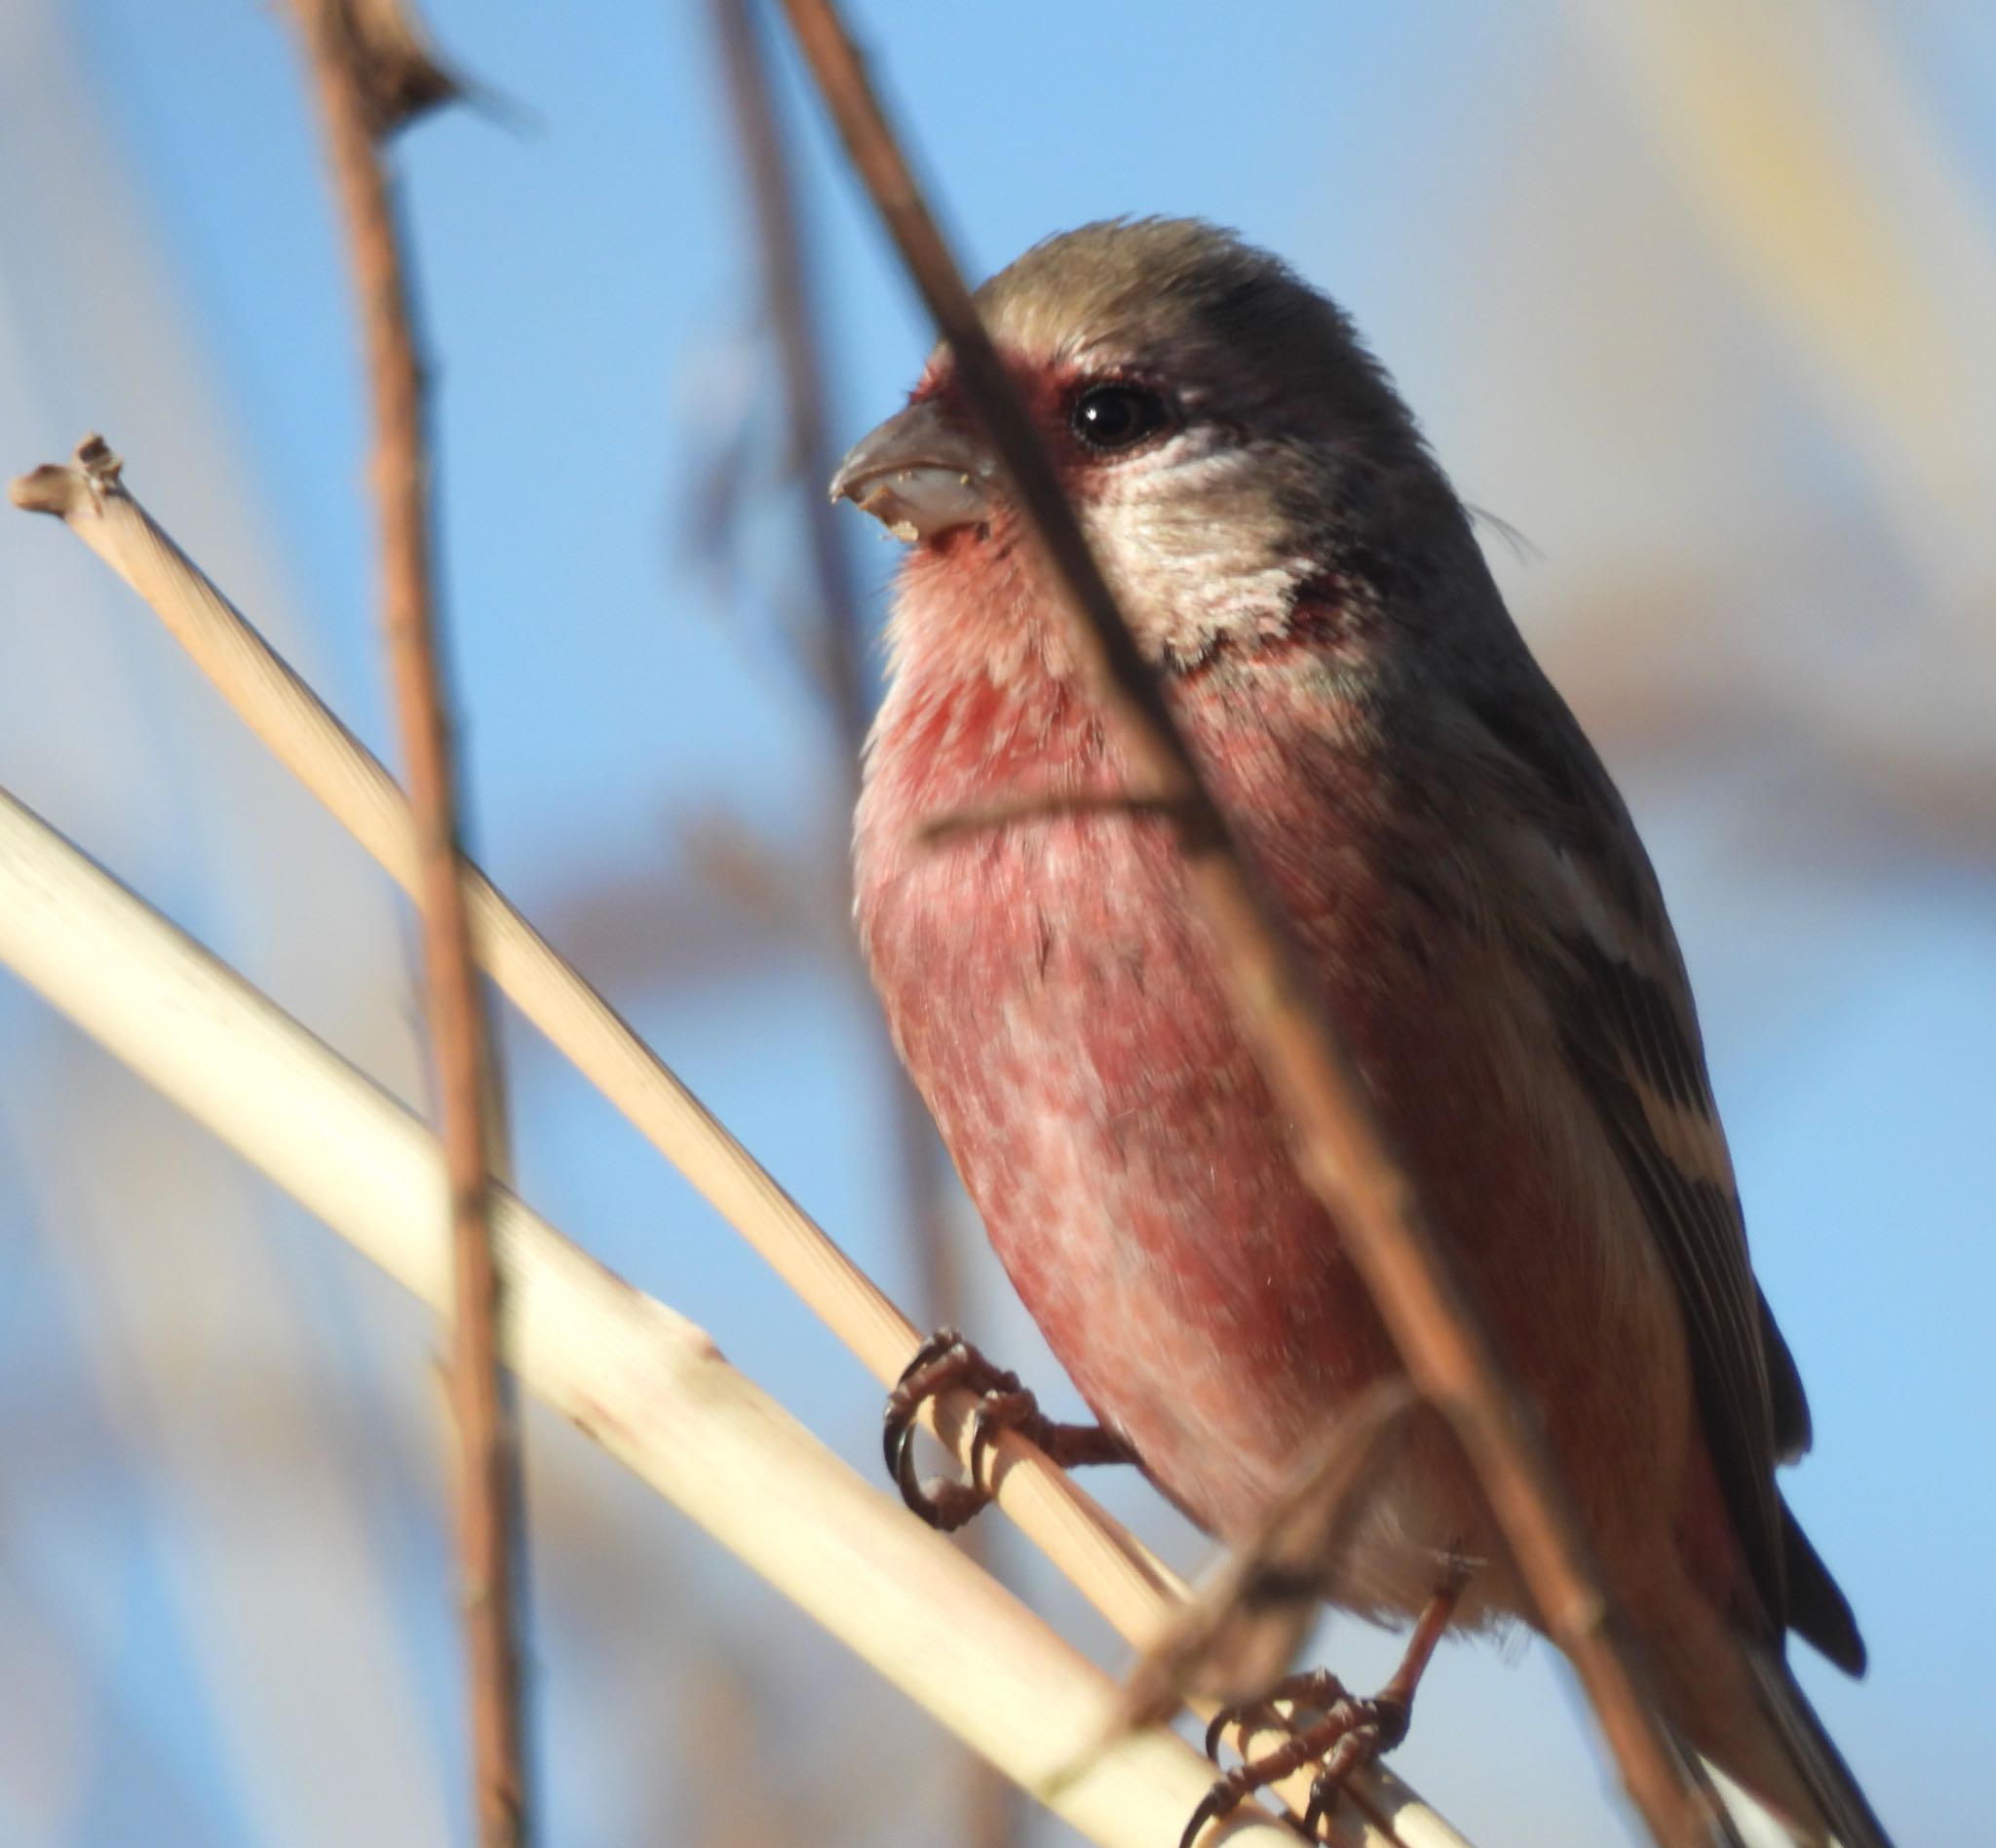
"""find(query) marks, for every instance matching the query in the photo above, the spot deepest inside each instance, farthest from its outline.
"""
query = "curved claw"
(943, 1364)
(1223, 1801)
(1364, 1743)
(898, 1428)
(944, 1361)
(1348, 1733)
(1318, 1691)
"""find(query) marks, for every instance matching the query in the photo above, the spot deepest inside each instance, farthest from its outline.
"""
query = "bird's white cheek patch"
(1187, 583)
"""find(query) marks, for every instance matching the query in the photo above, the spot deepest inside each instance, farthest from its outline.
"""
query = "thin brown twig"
(790, 301)
(955, 824)
(1340, 1149)
(357, 110)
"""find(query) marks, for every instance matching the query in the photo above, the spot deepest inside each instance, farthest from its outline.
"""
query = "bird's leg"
(1348, 1734)
(944, 1363)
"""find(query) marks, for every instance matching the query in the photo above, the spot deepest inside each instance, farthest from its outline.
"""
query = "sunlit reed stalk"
(631, 1374)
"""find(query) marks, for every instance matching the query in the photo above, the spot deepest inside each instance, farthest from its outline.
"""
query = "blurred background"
(1696, 296)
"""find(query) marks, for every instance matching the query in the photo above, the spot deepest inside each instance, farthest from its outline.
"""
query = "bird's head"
(1229, 445)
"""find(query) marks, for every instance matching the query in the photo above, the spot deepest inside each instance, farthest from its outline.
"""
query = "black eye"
(1116, 416)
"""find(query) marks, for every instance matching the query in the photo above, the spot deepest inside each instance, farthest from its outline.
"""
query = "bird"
(1475, 912)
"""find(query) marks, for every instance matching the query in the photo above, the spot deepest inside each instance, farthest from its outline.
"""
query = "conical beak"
(918, 474)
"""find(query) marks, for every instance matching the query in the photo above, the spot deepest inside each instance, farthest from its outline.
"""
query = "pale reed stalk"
(1136, 1594)
(630, 1373)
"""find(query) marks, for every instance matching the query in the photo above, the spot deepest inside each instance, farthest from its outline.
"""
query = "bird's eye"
(1116, 416)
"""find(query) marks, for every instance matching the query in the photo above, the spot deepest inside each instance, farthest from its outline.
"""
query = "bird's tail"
(1844, 1807)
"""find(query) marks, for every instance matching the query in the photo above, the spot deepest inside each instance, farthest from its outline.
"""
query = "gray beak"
(918, 474)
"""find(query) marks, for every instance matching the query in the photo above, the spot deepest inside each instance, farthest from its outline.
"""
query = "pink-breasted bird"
(1472, 899)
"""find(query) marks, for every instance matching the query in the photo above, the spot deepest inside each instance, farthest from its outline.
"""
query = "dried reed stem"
(488, 1475)
(1340, 1148)
(1114, 1570)
(631, 1374)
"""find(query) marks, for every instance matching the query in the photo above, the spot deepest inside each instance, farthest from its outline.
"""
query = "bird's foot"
(946, 1363)
(1346, 1734)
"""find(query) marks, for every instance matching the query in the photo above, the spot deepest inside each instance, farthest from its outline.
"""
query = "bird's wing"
(1837, 1793)
(1598, 932)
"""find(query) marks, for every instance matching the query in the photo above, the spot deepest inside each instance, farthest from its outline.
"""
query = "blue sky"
(1745, 569)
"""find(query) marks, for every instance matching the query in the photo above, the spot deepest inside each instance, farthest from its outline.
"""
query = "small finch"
(1469, 894)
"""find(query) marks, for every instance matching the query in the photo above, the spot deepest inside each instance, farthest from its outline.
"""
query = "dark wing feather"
(1852, 1819)
(1818, 1608)
(1624, 1011)
(1698, 1227)
(1633, 1038)
(1793, 1431)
